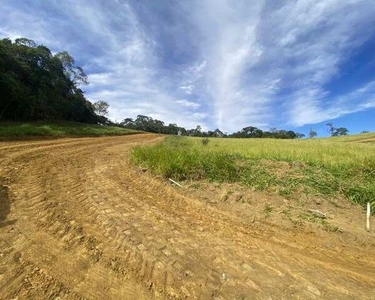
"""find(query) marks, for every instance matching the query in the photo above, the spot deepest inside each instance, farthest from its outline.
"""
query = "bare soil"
(78, 221)
(370, 140)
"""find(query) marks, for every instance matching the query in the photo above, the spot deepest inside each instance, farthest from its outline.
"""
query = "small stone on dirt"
(318, 201)
(166, 252)
(252, 284)
(313, 290)
(318, 213)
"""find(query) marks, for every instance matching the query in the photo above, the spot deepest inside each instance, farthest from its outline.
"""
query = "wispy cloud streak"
(217, 63)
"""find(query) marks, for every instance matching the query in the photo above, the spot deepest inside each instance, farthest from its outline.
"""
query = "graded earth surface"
(79, 221)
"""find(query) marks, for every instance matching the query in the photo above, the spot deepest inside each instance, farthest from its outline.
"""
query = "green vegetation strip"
(324, 167)
(12, 130)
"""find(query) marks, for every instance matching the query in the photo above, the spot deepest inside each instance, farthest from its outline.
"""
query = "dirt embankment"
(78, 222)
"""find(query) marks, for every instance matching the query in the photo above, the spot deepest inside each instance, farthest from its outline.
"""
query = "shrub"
(205, 141)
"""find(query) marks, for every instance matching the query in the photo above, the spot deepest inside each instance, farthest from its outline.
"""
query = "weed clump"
(177, 158)
(205, 141)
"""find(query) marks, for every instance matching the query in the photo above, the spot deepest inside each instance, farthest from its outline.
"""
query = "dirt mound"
(79, 222)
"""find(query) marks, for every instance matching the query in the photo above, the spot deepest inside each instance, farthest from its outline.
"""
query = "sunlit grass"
(10, 130)
(338, 167)
(324, 152)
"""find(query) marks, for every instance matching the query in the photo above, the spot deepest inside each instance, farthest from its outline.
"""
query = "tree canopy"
(101, 108)
(312, 134)
(37, 85)
(337, 131)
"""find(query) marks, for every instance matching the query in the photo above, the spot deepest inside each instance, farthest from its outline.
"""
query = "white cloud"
(188, 89)
(254, 51)
(318, 40)
(247, 62)
(199, 116)
(187, 103)
(307, 106)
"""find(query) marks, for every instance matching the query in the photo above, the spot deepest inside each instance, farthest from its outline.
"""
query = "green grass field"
(330, 167)
(12, 130)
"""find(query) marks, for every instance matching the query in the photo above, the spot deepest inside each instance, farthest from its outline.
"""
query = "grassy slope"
(12, 130)
(338, 167)
(356, 137)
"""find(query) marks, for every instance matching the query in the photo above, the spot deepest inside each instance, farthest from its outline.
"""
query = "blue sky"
(218, 63)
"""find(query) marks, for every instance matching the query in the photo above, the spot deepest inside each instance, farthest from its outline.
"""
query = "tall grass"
(324, 167)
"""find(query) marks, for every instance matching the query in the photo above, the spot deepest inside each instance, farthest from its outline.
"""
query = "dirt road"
(77, 221)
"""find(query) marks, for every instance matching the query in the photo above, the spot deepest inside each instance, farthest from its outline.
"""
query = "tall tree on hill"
(299, 135)
(312, 134)
(330, 129)
(73, 72)
(25, 42)
(101, 108)
(337, 131)
(341, 131)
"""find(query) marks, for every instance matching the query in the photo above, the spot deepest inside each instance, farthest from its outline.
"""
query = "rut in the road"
(89, 225)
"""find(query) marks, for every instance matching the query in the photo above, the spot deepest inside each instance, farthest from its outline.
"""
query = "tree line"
(38, 85)
(146, 123)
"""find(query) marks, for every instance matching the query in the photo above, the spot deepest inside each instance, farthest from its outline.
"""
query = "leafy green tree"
(331, 129)
(312, 134)
(101, 108)
(73, 72)
(171, 129)
(218, 133)
(37, 85)
(25, 42)
(337, 131)
(128, 123)
(340, 131)
(273, 130)
(300, 135)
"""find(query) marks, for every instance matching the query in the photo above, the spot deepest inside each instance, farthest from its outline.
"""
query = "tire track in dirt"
(88, 225)
(52, 237)
(261, 243)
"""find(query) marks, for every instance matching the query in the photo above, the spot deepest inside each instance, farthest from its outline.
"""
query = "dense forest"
(38, 85)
